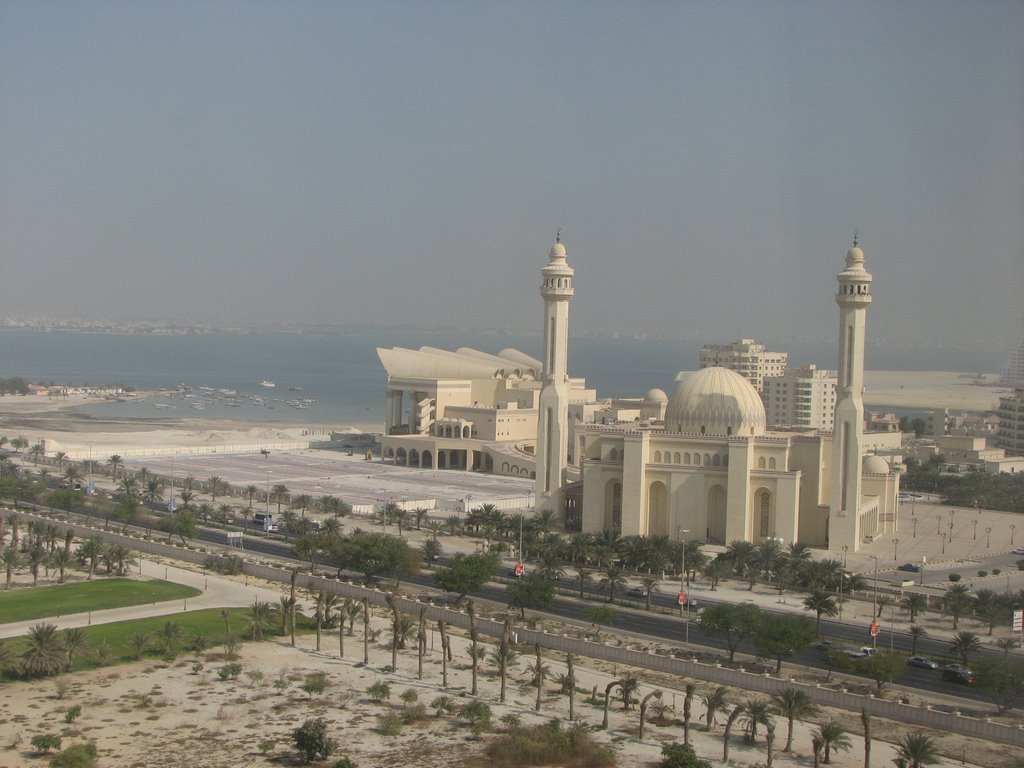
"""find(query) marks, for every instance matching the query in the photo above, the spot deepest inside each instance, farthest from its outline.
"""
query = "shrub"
(379, 691)
(197, 667)
(78, 755)
(511, 721)
(229, 565)
(45, 742)
(389, 724)
(442, 704)
(315, 683)
(343, 762)
(409, 696)
(548, 744)
(414, 714)
(266, 746)
(955, 577)
(73, 713)
(478, 715)
(312, 741)
(996, 571)
(681, 756)
(229, 671)
(983, 573)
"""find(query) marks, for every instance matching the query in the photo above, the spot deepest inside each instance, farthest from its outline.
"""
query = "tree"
(882, 667)
(715, 702)
(913, 604)
(73, 641)
(90, 552)
(832, 736)
(964, 644)
(614, 579)
(780, 636)
(312, 741)
(11, 559)
(279, 495)
(374, 555)
(957, 602)
(1001, 681)
(731, 624)
(756, 712)
(600, 615)
(260, 617)
(681, 756)
(250, 492)
(532, 591)
(44, 654)
(793, 704)
(917, 749)
(78, 755)
(821, 602)
(169, 636)
(466, 573)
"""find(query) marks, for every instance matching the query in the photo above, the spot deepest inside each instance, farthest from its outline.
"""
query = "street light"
(915, 526)
(975, 524)
(988, 537)
(684, 583)
(1012, 529)
(943, 543)
(938, 524)
(874, 600)
(895, 543)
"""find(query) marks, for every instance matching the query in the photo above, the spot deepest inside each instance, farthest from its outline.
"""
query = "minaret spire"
(553, 406)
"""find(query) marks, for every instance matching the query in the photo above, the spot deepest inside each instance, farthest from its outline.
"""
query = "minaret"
(553, 416)
(853, 298)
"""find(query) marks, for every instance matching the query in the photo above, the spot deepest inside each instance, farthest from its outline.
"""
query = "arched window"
(771, 462)
(707, 459)
(716, 460)
(686, 458)
(761, 463)
(677, 458)
(702, 429)
(657, 457)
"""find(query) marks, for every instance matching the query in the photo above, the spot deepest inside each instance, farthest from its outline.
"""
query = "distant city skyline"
(408, 164)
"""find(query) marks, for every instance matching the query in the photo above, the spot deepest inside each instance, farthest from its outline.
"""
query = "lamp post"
(895, 544)
(975, 524)
(1012, 529)
(944, 543)
(683, 583)
(938, 524)
(988, 537)
(842, 578)
(914, 519)
(874, 599)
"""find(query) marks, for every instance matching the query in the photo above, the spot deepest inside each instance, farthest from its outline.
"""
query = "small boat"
(267, 383)
(295, 389)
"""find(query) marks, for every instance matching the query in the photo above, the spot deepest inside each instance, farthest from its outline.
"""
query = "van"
(264, 520)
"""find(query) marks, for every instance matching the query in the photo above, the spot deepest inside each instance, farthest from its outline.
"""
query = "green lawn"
(206, 623)
(27, 603)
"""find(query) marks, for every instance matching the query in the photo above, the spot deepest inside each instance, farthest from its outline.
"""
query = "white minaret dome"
(873, 464)
(854, 256)
(715, 401)
(656, 396)
(558, 251)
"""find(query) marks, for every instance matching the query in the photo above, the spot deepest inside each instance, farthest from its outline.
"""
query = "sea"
(336, 374)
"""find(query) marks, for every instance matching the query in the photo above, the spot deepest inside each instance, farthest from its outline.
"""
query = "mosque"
(701, 463)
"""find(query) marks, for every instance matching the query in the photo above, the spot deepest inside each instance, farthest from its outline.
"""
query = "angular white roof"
(465, 363)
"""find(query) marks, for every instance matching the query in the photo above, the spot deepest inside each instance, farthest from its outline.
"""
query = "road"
(669, 627)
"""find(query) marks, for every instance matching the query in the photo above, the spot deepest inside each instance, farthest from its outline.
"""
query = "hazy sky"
(408, 162)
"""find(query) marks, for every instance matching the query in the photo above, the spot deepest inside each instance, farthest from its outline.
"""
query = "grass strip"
(27, 603)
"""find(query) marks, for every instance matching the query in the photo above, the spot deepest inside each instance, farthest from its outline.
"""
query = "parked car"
(921, 662)
(912, 567)
(636, 592)
(954, 673)
(1019, 551)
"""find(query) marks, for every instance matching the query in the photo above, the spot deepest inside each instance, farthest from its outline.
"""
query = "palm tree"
(72, 474)
(114, 462)
(215, 484)
(260, 616)
(44, 654)
(538, 670)
(832, 736)
(649, 583)
(60, 559)
(717, 570)
(614, 578)
(917, 750)
(821, 602)
(913, 604)
(279, 495)
(119, 558)
(917, 632)
(583, 576)
(1006, 644)
(965, 643)
(957, 602)
(154, 492)
(756, 712)
(91, 551)
(37, 556)
(168, 636)
(741, 554)
(251, 491)
(793, 704)
(73, 640)
(11, 559)
(714, 703)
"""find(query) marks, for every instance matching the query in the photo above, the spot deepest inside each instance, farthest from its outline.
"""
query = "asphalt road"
(671, 628)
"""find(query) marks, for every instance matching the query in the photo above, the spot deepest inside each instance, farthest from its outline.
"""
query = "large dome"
(715, 401)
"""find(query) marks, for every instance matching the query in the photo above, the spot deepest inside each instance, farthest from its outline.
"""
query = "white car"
(1019, 551)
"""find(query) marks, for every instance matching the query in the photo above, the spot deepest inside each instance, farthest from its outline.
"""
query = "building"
(1013, 371)
(801, 397)
(747, 358)
(1010, 436)
(712, 470)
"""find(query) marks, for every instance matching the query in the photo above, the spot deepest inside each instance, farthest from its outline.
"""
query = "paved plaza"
(350, 478)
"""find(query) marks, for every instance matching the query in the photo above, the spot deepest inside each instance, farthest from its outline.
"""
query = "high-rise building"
(1011, 423)
(1013, 371)
(748, 358)
(553, 416)
(853, 298)
(801, 397)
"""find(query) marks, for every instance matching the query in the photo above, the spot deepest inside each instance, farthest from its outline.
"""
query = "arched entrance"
(716, 514)
(426, 460)
(657, 509)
